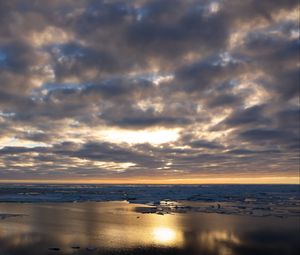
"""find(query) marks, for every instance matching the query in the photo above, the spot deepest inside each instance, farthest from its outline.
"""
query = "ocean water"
(122, 228)
(149, 219)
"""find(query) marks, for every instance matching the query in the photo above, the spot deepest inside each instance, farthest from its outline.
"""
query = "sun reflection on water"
(107, 227)
(164, 235)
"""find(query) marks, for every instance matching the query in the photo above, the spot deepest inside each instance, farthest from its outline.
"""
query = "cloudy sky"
(149, 90)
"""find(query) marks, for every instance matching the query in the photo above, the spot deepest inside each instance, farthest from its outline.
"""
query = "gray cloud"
(144, 89)
(251, 115)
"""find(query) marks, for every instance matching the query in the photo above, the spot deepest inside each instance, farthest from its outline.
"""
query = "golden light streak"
(224, 180)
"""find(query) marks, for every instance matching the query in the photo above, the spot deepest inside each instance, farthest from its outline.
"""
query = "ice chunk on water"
(258, 200)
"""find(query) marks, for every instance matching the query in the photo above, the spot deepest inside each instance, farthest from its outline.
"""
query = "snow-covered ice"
(255, 200)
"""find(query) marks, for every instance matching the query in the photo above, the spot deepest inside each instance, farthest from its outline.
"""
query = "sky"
(149, 91)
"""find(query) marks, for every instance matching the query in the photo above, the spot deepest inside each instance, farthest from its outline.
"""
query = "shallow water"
(121, 228)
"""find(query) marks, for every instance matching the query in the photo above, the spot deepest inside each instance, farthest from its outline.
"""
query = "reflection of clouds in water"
(101, 225)
(218, 240)
(10, 230)
(23, 240)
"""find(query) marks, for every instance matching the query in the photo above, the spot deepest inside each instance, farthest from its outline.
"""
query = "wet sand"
(123, 228)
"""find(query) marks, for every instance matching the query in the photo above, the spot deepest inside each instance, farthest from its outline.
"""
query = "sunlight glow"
(152, 136)
(164, 235)
(157, 80)
(14, 142)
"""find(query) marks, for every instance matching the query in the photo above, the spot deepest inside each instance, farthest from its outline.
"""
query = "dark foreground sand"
(122, 228)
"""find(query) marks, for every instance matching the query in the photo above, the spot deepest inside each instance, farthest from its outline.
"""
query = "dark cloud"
(192, 31)
(265, 134)
(180, 89)
(224, 100)
(17, 57)
(18, 150)
(205, 144)
(252, 115)
(72, 59)
(287, 119)
(206, 74)
(151, 121)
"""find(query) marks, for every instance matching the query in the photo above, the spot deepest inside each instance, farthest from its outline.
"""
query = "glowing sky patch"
(155, 137)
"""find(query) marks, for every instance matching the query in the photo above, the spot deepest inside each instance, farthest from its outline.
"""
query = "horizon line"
(187, 181)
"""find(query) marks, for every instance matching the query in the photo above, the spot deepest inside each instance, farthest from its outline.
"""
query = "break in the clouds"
(143, 89)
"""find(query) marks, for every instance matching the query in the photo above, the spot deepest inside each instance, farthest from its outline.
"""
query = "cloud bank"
(148, 89)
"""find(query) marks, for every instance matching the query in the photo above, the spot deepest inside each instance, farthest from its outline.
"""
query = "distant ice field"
(256, 200)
